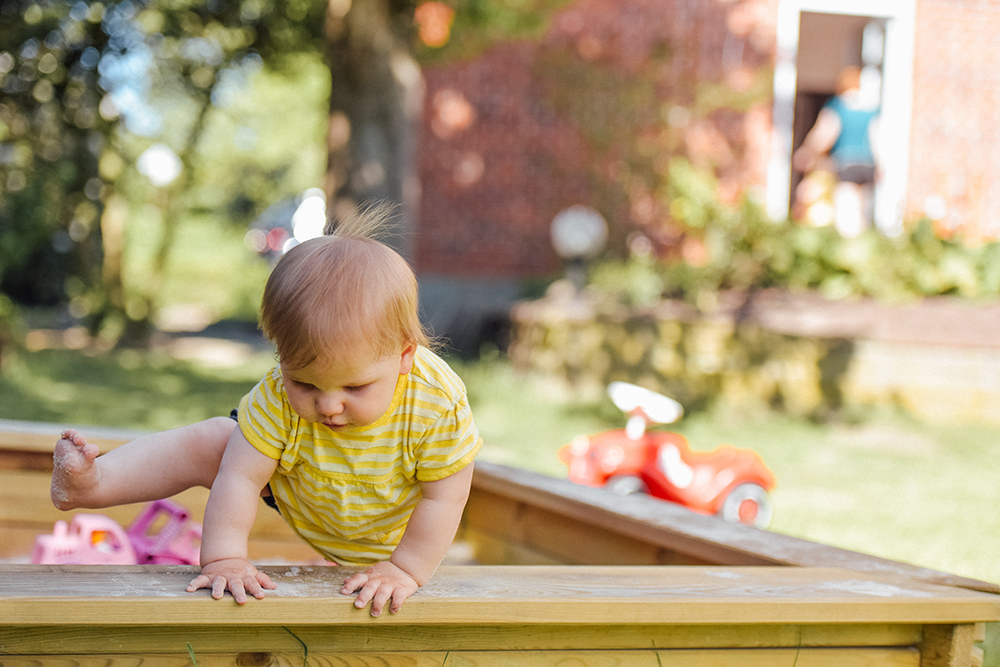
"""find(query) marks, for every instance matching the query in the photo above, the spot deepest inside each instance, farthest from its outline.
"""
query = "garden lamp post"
(579, 233)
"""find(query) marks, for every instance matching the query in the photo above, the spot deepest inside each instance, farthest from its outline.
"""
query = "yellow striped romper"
(349, 494)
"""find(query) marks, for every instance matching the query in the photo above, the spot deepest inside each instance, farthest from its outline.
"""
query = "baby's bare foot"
(75, 475)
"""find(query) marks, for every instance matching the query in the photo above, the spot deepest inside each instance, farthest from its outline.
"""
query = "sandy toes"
(75, 474)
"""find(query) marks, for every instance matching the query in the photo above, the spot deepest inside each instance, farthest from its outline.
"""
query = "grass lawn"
(891, 487)
(127, 389)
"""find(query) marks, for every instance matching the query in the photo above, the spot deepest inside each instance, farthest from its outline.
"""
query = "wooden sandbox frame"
(568, 576)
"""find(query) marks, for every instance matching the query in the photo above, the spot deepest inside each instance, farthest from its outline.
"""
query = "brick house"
(590, 113)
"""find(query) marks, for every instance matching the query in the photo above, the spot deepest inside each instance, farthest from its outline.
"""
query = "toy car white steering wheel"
(660, 409)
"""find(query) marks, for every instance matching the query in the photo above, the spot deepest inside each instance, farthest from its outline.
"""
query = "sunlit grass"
(211, 251)
(523, 420)
(127, 389)
(890, 487)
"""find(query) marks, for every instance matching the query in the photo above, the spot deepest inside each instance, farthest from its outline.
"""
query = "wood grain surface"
(845, 657)
(537, 519)
(142, 595)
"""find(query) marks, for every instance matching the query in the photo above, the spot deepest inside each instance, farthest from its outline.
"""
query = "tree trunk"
(376, 99)
(172, 202)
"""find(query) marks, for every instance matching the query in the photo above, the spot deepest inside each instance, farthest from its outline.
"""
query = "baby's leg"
(151, 467)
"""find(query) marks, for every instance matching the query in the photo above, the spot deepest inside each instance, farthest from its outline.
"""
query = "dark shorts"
(266, 493)
(269, 499)
(862, 174)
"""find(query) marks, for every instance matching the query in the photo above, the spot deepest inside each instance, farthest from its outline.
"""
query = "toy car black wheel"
(624, 485)
(748, 503)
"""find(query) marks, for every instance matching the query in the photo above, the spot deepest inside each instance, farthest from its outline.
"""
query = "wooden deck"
(568, 576)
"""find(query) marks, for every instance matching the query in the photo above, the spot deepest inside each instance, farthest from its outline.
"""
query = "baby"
(361, 436)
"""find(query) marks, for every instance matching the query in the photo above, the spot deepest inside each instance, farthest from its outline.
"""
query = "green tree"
(87, 88)
(51, 138)
(198, 52)
(375, 104)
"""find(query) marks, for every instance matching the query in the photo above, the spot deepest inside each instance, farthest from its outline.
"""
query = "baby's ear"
(406, 358)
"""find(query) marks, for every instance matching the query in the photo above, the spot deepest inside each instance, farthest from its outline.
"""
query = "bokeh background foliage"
(240, 94)
(724, 246)
(88, 88)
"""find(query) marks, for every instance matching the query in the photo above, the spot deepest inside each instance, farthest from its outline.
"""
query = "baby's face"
(343, 396)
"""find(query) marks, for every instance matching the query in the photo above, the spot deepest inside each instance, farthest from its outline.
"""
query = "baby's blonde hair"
(344, 297)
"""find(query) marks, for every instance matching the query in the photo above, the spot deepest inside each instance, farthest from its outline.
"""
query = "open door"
(816, 39)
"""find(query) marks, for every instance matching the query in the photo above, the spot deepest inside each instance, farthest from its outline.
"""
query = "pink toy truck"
(89, 539)
(177, 542)
(161, 534)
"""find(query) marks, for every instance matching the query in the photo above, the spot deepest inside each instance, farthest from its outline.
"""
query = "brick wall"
(955, 146)
(495, 161)
(501, 155)
(529, 128)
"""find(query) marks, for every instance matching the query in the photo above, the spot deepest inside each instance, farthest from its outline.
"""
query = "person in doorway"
(845, 132)
(361, 436)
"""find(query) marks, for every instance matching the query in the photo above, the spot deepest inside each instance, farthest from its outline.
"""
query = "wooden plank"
(12, 459)
(947, 645)
(701, 658)
(666, 525)
(552, 540)
(24, 498)
(457, 637)
(489, 549)
(551, 536)
(41, 436)
(244, 659)
(137, 595)
(844, 657)
(663, 525)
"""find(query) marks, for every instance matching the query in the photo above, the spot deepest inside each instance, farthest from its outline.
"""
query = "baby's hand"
(378, 584)
(235, 574)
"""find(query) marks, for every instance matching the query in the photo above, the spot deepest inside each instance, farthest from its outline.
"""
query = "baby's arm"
(429, 533)
(229, 516)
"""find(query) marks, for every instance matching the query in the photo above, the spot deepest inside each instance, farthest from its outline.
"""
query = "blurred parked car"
(287, 223)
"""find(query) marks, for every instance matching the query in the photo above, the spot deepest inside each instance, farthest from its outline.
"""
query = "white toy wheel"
(624, 485)
(749, 504)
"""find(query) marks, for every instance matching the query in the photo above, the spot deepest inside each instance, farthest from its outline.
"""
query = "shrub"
(739, 248)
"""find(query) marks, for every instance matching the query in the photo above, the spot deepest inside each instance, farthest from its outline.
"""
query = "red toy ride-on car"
(728, 482)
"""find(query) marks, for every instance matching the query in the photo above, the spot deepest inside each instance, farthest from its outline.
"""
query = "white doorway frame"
(897, 102)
